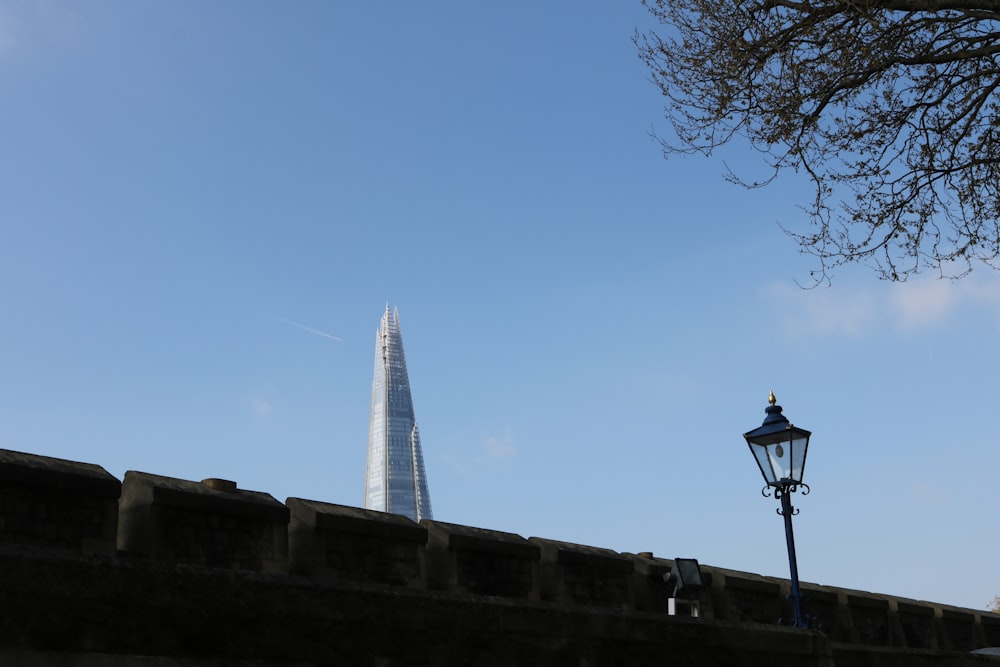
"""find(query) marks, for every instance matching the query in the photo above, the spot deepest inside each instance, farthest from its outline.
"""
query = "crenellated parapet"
(65, 524)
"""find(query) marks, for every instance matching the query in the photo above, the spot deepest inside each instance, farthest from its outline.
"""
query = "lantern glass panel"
(761, 453)
(781, 456)
(797, 458)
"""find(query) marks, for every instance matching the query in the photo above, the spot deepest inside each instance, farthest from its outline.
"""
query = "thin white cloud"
(913, 305)
(39, 24)
(925, 494)
(825, 311)
(499, 448)
(9, 29)
(456, 465)
(260, 407)
(491, 451)
(922, 303)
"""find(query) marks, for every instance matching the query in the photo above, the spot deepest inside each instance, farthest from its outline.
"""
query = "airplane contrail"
(309, 329)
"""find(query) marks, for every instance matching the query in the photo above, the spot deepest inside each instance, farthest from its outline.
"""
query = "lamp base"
(693, 607)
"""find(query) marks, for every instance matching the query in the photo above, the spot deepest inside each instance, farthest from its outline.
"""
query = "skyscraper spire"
(395, 480)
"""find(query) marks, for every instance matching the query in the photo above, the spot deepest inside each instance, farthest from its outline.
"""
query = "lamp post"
(780, 451)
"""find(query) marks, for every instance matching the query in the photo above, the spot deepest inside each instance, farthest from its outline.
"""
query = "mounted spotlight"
(684, 582)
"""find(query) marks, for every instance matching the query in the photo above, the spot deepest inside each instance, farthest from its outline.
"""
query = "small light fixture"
(685, 582)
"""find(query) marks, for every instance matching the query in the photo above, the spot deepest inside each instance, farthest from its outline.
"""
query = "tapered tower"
(395, 480)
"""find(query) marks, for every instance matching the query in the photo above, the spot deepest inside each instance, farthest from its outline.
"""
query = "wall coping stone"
(914, 607)
(818, 593)
(469, 538)
(357, 521)
(185, 494)
(567, 553)
(751, 582)
(957, 614)
(646, 564)
(35, 470)
(863, 599)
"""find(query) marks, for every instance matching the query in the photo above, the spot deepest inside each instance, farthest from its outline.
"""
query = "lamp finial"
(770, 397)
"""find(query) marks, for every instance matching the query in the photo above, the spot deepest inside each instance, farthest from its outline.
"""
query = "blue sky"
(589, 328)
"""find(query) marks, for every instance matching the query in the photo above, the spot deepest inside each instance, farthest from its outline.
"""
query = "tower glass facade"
(395, 480)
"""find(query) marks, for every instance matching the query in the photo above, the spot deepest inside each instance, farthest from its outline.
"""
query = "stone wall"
(97, 571)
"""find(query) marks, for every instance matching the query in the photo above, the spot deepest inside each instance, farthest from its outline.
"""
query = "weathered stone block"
(578, 574)
(916, 624)
(352, 544)
(742, 596)
(821, 607)
(650, 590)
(208, 523)
(869, 619)
(57, 503)
(480, 561)
(990, 623)
(959, 629)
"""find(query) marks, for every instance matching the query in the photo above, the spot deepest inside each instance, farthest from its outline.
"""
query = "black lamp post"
(780, 451)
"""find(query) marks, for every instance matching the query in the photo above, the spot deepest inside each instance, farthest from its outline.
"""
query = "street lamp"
(780, 451)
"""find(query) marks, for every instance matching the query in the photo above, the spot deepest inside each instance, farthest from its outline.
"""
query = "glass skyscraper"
(395, 480)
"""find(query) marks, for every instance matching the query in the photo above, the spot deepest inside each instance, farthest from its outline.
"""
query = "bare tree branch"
(889, 106)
